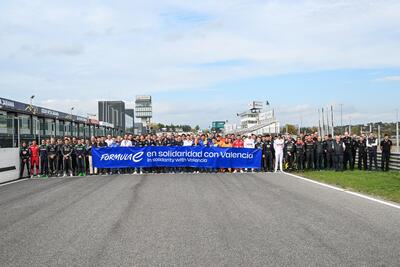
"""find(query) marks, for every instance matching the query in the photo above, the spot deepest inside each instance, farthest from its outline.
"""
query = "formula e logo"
(138, 157)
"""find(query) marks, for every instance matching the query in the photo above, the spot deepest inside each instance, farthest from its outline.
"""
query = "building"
(139, 128)
(129, 121)
(143, 109)
(113, 112)
(256, 120)
(21, 122)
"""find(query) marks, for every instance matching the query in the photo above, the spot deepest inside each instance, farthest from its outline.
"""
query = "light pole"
(341, 117)
(397, 130)
(70, 125)
(34, 121)
(31, 99)
(332, 121)
(350, 126)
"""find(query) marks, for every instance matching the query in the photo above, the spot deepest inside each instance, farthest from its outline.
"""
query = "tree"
(186, 128)
(197, 128)
(154, 127)
(291, 129)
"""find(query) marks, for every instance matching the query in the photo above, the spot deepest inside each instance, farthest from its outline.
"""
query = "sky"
(205, 60)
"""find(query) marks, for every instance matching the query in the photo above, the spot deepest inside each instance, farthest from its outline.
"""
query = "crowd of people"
(73, 156)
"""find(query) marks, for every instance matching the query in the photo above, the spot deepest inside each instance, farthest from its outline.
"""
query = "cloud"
(54, 50)
(389, 79)
(127, 48)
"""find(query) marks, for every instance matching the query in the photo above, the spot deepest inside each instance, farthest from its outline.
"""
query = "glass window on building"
(25, 124)
(36, 126)
(43, 126)
(86, 131)
(3, 122)
(7, 137)
(67, 128)
(100, 131)
(81, 130)
(49, 127)
(59, 128)
(11, 124)
(74, 129)
(91, 129)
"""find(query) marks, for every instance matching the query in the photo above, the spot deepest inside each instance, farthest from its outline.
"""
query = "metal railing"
(394, 161)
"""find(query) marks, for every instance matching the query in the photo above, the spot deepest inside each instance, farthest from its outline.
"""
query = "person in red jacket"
(238, 143)
(34, 149)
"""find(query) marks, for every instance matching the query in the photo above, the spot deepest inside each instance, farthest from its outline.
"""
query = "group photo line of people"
(72, 156)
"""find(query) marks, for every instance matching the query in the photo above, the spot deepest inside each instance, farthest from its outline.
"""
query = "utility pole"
(350, 126)
(379, 134)
(397, 130)
(323, 123)
(319, 123)
(333, 126)
(341, 117)
(301, 124)
(327, 121)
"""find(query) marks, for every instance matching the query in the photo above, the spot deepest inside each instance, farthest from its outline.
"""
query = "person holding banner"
(249, 142)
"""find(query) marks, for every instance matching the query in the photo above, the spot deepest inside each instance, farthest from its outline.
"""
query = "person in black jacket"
(60, 158)
(289, 152)
(348, 152)
(372, 147)
(310, 151)
(268, 152)
(299, 154)
(354, 150)
(44, 161)
(66, 152)
(319, 153)
(80, 155)
(386, 145)
(24, 155)
(328, 147)
(338, 152)
(362, 153)
(52, 157)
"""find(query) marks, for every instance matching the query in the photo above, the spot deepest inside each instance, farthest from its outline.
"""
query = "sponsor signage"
(106, 124)
(15, 106)
(49, 112)
(198, 157)
(218, 125)
(81, 119)
(7, 103)
(94, 121)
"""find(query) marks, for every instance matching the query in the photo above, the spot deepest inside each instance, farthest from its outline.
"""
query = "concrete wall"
(9, 164)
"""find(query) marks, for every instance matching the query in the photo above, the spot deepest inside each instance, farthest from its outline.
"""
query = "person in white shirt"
(126, 142)
(249, 142)
(187, 141)
(279, 144)
(109, 140)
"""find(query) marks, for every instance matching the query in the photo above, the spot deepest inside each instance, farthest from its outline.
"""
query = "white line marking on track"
(13, 182)
(345, 191)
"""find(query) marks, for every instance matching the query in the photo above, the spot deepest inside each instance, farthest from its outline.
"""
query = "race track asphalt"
(192, 220)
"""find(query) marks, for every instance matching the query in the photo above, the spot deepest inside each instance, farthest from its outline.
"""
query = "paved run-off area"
(192, 220)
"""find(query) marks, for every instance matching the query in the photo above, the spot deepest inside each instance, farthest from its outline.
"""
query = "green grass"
(385, 185)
